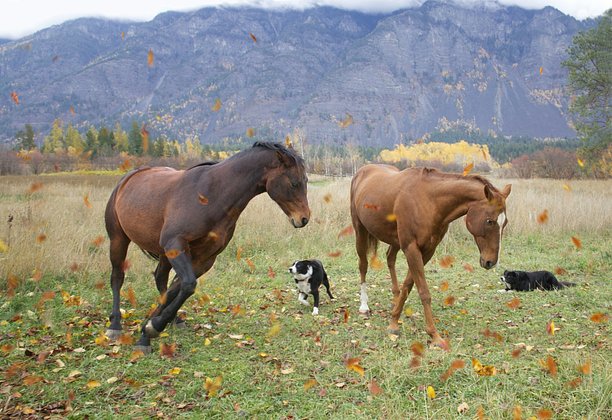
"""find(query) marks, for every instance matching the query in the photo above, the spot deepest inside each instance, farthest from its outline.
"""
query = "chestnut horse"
(410, 210)
(186, 218)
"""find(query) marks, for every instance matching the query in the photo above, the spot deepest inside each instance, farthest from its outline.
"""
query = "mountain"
(396, 75)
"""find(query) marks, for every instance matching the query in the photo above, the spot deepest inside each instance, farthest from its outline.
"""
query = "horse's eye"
(491, 222)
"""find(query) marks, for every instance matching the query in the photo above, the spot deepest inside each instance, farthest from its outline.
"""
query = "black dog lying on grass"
(525, 281)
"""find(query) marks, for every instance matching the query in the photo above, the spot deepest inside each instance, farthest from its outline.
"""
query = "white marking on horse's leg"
(364, 308)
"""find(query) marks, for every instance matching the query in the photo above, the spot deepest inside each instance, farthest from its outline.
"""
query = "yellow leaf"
(207, 342)
(150, 58)
(274, 330)
(212, 385)
(217, 106)
(580, 162)
(353, 364)
(175, 371)
(375, 262)
(3, 247)
(391, 217)
(483, 370)
(550, 327)
(431, 392)
(577, 242)
(309, 384)
(93, 384)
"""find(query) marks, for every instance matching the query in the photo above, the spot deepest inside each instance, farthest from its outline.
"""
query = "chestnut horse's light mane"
(446, 175)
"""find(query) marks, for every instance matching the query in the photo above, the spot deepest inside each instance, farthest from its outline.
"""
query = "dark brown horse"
(410, 210)
(186, 218)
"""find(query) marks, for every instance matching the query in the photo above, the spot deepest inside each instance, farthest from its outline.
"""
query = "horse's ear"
(488, 193)
(506, 191)
(284, 159)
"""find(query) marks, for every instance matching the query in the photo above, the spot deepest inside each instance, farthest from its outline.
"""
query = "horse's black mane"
(288, 151)
(207, 163)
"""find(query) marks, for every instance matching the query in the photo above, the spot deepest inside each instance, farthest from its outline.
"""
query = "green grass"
(264, 377)
(44, 344)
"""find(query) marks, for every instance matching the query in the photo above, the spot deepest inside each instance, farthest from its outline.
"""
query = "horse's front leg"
(391, 258)
(179, 291)
(416, 276)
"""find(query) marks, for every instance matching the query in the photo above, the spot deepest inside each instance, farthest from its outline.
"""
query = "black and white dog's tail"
(326, 284)
(563, 284)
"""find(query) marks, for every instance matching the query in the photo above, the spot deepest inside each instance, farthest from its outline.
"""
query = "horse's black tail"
(150, 255)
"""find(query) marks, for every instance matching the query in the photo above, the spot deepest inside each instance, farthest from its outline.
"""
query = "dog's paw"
(315, 311)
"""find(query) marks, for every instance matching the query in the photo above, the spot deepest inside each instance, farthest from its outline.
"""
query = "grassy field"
(252, 351)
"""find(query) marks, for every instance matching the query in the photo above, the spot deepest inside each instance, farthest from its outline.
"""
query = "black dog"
(309, 275)
(524, 281)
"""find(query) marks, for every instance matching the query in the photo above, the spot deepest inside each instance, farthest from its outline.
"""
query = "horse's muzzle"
(487, 264)
(299, 223)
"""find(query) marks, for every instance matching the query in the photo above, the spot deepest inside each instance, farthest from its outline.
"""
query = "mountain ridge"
(397, 75)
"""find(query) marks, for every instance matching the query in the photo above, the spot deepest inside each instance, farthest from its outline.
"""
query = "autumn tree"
(54, 142)
(590, 81)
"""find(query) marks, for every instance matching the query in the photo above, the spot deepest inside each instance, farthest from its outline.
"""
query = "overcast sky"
(23, 17)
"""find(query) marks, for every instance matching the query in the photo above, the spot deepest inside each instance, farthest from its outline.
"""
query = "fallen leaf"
(463, 408)
(251, 264)
(167, 350)
(131, 296)
(174, 371)
(444, 286)
(449, 301)
(91, 384)
(599, 317)
(271, 273)
(374, 388)
(514, 303)
(549, 365)
(346, 231)
(352, 363)
(447, 261)
(212, 386)
(468, 268)
(517, 413)
(585, 368)
(327, 198)
(417, 348)
(544, 414)
(310, 384)
(543, 217)
(550, 327)
(30, 380)
(239, 253)
(431, 392)
(483, 370)
(335, 254)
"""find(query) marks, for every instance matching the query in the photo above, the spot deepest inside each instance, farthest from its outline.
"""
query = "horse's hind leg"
(362, 245)
(119, 243)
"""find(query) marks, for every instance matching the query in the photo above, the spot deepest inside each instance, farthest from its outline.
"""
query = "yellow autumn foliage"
(461, 153)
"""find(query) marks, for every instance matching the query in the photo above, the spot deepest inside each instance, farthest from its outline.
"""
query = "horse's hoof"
(143, 349)
(113, 334)
(180, 324)
(150, 330)
(393, 331)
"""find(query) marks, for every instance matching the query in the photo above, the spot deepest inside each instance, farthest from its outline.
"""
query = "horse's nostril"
(304, 221)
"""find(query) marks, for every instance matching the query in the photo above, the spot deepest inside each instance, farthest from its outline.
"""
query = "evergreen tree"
(25, 139)
(105, 142)
(74, 142)
(135, 140)
(590, 80)
(91, 141)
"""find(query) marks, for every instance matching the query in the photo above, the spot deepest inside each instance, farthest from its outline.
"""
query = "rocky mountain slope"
(339, 76)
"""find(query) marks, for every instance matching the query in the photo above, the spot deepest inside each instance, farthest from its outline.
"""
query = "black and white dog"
(309, 275)
(525, 281)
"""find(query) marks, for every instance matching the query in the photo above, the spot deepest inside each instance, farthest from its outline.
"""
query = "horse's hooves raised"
(113, 334)
(144, 349)
(150, 330)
